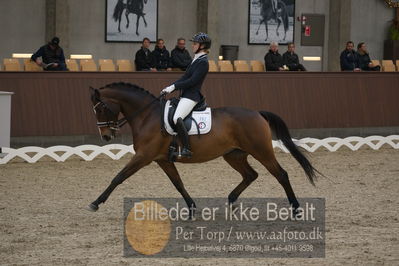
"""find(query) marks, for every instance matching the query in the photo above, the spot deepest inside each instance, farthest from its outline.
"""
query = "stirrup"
(186, 153)
(172, 154)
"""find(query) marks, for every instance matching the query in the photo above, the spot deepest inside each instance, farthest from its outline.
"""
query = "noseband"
(116, 125)
(111, 124)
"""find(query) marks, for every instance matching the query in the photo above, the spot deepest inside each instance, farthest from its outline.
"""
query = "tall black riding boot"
(183, 135)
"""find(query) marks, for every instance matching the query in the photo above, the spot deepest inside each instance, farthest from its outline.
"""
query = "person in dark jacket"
(365, 62)
(143, 59)
(50, 56)
(274, 60)
(160, 57)
(291, 59)
(349, 60)
(180, 58)
(190, 87)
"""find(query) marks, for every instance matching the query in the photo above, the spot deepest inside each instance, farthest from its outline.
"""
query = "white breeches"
(184, 107)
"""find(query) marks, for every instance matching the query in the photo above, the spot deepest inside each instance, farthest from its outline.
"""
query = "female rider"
(190, 87)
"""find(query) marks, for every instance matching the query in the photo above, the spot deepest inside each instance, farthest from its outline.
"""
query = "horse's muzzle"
(107, 134)
(106, 138)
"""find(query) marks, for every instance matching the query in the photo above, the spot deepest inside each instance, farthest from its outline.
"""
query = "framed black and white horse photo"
(131, 20)
(271, 21)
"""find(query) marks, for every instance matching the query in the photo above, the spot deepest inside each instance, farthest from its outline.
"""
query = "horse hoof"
(92, 207)
(191, 215)
(234, 206)
(297, 214)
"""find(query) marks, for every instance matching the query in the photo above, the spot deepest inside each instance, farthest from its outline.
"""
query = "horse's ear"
(95, 93)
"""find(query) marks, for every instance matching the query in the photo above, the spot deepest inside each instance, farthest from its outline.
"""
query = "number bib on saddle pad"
(197, 122)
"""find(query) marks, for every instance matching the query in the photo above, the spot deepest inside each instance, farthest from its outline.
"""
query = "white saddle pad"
(203, 118)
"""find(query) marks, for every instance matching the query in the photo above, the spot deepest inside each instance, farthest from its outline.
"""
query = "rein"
(116, 125)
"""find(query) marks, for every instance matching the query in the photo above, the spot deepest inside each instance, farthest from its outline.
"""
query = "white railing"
(62, 153)
(116, 151)
(333, 144)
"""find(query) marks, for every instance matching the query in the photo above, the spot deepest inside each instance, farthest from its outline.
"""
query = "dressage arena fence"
(33, 154)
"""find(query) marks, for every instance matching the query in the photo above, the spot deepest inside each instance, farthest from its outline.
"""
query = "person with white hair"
(273, 59)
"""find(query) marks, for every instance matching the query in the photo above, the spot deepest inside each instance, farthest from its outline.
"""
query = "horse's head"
(107, 112)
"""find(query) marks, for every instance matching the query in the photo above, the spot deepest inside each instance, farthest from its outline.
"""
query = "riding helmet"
(202, 38)
(55, 41)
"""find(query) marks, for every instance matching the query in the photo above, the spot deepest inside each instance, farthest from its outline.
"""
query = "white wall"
(370, 22)
(313, 7)
(233, 28)
(21, 26)
(176, 18)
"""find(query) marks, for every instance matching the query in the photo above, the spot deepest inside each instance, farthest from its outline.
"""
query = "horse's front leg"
(267, 31)
(119, 23)
(135, 164)
(170, 170)
(285, 34)
(260, 24)
(127, 19)
(137, 25)
(278, 26)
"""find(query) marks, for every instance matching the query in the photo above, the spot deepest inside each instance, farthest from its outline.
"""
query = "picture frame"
(271, 13)
(392, 3)
(121, 17)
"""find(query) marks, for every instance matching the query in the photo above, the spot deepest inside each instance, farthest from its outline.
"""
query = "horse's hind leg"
(171, 171)
(261, 149)
(145, 22)
(239, 161)
(268, 159)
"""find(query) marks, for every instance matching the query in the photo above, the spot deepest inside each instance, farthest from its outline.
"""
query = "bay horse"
(273, 9)
(235, 134)
(132, 6)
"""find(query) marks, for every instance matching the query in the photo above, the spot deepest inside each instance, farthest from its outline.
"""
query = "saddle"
(198, 122)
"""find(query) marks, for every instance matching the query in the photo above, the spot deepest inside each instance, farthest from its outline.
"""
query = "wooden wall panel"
(58, 104)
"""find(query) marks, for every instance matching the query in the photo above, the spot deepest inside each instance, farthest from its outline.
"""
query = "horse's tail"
(282, 133)
(118, 10)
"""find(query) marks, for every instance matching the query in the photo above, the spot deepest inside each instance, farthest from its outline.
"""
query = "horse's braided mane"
(127, 87)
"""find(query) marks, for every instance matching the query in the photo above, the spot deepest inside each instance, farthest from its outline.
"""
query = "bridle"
(116, 125)
(111, 124)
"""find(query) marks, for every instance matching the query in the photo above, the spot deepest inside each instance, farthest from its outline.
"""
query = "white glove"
(168, 89)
